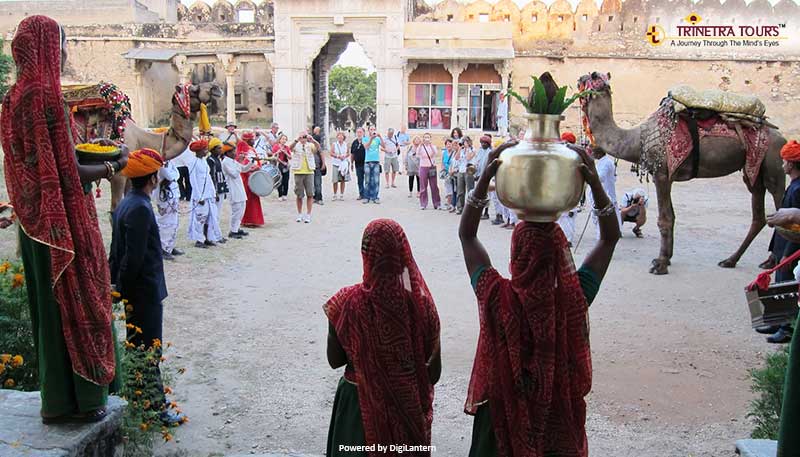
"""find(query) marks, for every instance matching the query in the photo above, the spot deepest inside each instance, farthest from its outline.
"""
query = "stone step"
(23, 434)
(757, 448)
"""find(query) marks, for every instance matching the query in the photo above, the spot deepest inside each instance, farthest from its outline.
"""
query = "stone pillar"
(455, 68)
(140, 105)
(504, 69)
(231, 67)
(184, 69)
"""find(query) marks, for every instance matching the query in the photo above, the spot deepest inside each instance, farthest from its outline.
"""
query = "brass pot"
(540, 177)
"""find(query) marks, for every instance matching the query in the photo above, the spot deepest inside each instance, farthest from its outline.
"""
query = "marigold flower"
(129, 345)
(167, 390)
(156, 343)
(143, 427)
(138, 375)
(17, 361)
(184, 420)
(129, 325)
(5, 358)
(125, 301)
(146, 404)
(173, 405)
(4, 267)
(115, 294)
(18, 280)
(2, 368)
(137, 393)
(9, 384)
(138, 329)
(167, 436)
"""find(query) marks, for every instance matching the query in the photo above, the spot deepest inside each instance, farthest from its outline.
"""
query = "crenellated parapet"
(616, 26)
(227, 12)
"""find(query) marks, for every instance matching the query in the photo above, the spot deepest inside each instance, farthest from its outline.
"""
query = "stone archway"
(304, 27)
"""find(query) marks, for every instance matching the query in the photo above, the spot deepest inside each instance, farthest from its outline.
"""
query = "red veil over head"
(388, 326)
(45, 189)
(533, 362)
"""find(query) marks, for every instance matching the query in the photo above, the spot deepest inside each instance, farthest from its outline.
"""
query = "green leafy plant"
(767, 383)
(546, 97)
(18, 361)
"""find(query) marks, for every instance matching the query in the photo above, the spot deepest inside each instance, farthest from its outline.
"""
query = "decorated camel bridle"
(597, 82)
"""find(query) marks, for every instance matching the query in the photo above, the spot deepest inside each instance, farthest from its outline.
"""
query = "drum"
(264, 180)
(775, 306)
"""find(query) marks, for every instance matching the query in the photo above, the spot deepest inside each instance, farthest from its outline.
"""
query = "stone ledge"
(757, 448)
(23, 434)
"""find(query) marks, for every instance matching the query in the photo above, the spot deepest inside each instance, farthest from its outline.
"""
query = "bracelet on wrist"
(608, 210)
(477, 202)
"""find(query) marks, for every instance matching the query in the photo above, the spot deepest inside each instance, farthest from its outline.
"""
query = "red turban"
(142, 162)
(199, 145)
(248, 136)
(569, 137)
(791, 151)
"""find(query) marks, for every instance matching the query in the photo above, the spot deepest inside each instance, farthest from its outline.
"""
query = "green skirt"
(346, 427)
(788, 435)
(483, 442)
(63, 392)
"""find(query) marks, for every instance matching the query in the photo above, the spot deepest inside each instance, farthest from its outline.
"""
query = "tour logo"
(693, 33)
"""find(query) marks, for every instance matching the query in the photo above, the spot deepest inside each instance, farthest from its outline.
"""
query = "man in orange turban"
(780, 247)
(137, 265)
(198, 146)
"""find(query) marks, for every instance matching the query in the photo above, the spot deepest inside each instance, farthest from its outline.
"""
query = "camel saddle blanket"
(718, 100)
(673, 141)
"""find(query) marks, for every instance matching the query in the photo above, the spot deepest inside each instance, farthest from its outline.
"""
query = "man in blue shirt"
(372, 166)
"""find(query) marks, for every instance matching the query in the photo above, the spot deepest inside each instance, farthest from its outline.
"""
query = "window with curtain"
(430, 105)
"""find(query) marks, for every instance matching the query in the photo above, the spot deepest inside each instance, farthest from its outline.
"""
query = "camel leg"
(759, 221)
(666, 224)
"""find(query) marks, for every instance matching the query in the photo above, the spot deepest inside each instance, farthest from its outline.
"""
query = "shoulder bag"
(432, 170)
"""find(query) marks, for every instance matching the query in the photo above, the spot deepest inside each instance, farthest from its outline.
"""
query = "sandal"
(638, 232)
(78, 418)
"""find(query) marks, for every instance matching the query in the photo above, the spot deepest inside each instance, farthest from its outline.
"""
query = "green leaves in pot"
(546, 97)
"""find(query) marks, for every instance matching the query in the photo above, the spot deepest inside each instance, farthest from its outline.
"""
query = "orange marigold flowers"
(129, 325)
(138, 329)
(18, 280)
(17, 361)
(129, 345)
(9, 384)
(173, 405)
(156, 343)
(95, 148)
(5, 358)
(4, 267)
(146, 404)
(143, 427)
(2, 368)
(115, 294)
(167, 436)
(167, 390)
(184, 420)
(137, 393)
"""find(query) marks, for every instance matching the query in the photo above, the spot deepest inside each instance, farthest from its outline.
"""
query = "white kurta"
(237, 195)
(204, 206)
(606, 171)
(567, 224)
(167, 196)
(502, 116)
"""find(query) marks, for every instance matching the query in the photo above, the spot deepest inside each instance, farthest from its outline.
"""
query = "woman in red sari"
(532, 367)
(386, 330)
(245, 153)
(66, 266)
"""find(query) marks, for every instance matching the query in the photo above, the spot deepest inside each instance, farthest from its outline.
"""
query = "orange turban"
(569, 137)
(199, 145)
(791, 151)
(142, 162)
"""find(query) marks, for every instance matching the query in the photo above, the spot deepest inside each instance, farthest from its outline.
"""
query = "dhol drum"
(264, 180)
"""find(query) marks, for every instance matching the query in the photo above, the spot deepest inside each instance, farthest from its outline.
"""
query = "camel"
(172, 143)
(719, 157)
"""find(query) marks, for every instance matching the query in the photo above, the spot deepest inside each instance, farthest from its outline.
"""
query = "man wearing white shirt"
(606, 171)
(167, 198)
(181, 163)
(391, 163)
(238, 197)
(502, 114)
(204, 222)
(273, 136)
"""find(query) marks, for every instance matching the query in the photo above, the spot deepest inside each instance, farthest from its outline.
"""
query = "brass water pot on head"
(540, 178)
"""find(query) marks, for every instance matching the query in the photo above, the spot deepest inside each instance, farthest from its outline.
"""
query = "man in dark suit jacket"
(137, 268)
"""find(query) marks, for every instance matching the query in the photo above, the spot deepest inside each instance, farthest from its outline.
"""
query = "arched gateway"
(309, 37)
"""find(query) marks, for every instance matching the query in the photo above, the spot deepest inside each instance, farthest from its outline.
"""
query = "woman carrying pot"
(532, 367)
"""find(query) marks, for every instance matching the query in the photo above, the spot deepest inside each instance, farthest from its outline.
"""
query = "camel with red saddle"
(692, 135)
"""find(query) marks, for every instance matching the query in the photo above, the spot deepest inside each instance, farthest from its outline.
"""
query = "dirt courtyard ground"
(670, 353)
